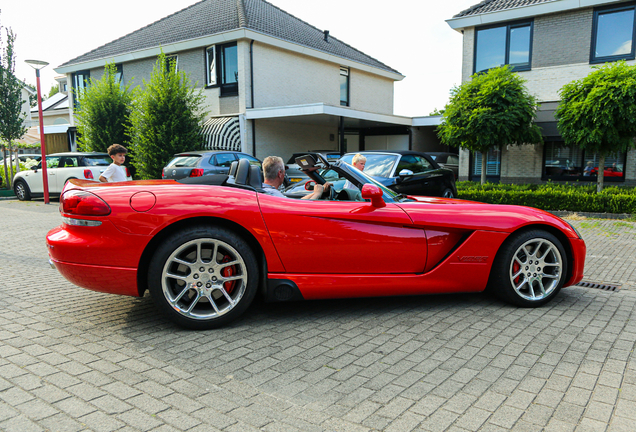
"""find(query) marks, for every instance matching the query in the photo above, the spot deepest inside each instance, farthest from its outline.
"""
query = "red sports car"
(206, 246)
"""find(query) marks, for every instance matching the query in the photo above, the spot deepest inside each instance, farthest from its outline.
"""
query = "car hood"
(470, 215)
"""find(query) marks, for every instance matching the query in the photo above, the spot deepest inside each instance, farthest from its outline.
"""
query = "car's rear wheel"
(530, 269)
(22, 191)
(448, 193)
(203, 277)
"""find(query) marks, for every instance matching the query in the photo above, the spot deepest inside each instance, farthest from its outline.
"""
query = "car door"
(425, 180)
(221, 163)
(34, 177)
(343, 237)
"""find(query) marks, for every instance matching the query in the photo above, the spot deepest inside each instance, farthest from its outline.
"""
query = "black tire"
(448, 193)
(191, 288)
(529, 269)
(22, 191)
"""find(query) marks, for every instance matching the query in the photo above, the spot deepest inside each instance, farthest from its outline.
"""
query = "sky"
(410, 36)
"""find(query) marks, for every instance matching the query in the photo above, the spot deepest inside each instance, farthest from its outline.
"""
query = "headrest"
(233, 168)
(242, 172)
(256, 177)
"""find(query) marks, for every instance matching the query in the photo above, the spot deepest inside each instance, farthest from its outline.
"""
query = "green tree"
(103, 114)
(55, 89)
(12, 119)
(491, 110)
(598, 113)
(166, 119)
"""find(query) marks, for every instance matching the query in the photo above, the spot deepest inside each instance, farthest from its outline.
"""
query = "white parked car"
(60, 168)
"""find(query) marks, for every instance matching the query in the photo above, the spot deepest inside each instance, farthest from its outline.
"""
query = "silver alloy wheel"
(448, 193)
(204, 279)
(20, 191)
(536, 269)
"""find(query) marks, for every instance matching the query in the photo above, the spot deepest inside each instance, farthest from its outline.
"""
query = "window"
(613, 34)
(221, 68)
(119, 75)
(225, 159)
(172, 62)
(81, 80)
(210, 70)
(227, 60)
(344, 86)
(493, 164)
(504, 45)
(415, 164)
(564, 162)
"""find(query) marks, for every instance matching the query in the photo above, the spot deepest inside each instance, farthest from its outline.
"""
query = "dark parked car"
(408, 172)
(200, 163)
(446, 160)
(405, 172)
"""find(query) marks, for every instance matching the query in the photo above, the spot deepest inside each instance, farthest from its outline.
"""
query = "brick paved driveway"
(72, 359)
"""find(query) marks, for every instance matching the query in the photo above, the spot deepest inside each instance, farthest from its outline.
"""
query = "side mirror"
(405, 172)
(309, 186)
(373, 193)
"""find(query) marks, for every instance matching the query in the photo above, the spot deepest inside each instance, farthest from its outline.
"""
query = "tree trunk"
(17, 161)
(601, 173)
(4, 161)
(484, 165)
(10, 162)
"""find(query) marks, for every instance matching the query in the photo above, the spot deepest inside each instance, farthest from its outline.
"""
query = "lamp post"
(37, 65)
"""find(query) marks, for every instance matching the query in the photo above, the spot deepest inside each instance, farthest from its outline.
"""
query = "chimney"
(326, 32)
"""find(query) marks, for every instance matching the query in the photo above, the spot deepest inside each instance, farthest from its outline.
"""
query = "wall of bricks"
(562, 39)
(560, 54)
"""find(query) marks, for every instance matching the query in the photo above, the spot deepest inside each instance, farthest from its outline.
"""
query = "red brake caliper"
(228, 272)
(515, 269)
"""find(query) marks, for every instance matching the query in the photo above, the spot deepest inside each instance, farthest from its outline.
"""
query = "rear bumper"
(112, 280)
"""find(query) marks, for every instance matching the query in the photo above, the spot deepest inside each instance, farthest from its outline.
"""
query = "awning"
(222, 133)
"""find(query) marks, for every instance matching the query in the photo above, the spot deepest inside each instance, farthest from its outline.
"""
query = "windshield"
(98, 160)
(377, 165)
(184, 161)
(331, 175)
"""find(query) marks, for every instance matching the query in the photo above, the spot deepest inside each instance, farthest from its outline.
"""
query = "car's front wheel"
(22, 191)
(448, 193)
(203, 277)
(530, 269)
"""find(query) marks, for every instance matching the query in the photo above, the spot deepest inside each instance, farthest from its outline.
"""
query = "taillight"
(88, 174)
(196, 172)
(128, 172)
(163, 173)
(82, 203)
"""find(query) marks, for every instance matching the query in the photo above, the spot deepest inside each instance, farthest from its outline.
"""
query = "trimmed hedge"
(551, 196)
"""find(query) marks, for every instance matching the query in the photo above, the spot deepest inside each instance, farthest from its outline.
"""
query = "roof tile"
(209, 17)
(496, 6)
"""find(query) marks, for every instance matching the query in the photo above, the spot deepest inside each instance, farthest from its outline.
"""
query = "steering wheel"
(332, 194)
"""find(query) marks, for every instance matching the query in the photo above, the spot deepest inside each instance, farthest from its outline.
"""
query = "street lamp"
(37, 65)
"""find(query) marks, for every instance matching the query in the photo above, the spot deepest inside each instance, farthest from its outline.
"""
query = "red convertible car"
(206, 246)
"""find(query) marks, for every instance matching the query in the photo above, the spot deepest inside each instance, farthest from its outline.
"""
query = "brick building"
(273, 83)
(549, 43)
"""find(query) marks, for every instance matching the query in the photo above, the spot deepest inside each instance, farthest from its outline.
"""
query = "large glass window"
(509, 44)
(119, 75)
(613, 34)
(344, 86)
(81, 81)
(564, 162)
(227, 59)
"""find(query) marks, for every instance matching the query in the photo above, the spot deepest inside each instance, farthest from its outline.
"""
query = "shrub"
(552, 196)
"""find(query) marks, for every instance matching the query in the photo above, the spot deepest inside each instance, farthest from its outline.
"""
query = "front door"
(343, 237)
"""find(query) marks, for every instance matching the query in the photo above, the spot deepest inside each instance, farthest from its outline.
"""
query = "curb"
(564, 214)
